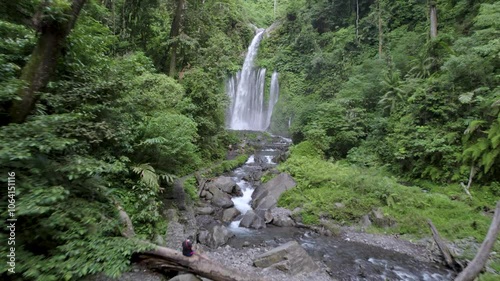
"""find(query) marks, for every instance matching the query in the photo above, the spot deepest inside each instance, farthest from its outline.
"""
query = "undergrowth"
(321, 184)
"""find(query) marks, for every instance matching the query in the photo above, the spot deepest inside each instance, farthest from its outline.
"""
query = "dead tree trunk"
(448, 258)
(433, 18)
(380, 32)
(357, 20)
(43, 62)
(477, 264)
(168, 259)
(162, 258)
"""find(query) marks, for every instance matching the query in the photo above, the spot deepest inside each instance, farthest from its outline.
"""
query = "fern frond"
(153, 141)
(473, 125)
(489, 158)
(148, 175)
(168, 178)
(466, 98)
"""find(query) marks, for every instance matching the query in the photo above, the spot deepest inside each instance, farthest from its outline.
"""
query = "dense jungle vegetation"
(103, 103)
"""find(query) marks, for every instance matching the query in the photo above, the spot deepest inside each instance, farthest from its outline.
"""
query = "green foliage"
(191, 188)
(320, 184)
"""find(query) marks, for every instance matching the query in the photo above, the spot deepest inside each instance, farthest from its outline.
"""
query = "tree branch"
(479, 261)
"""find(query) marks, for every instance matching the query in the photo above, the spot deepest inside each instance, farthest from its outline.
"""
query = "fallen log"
(164, 258)
(448, 257)
(477, 264)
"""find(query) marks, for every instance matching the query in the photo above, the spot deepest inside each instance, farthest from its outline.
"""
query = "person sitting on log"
(187, 248)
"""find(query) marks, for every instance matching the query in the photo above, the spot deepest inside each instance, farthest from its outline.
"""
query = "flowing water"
(248, 110)
(347, 260)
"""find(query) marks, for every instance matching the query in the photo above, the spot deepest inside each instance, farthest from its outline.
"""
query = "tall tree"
(380, 31)
(36, 74)
(174, 34)
(433, 19)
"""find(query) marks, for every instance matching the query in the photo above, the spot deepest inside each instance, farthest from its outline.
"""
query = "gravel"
(241, 259)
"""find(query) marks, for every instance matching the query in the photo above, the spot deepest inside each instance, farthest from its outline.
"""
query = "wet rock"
(215, 237)
(254, 174)
(208, 195)
(205, 210)
(266, 196)
(225, 184)
(185, 277)
(365, 221)
(378, 218)
(229, 214)
(252, 220)
(282, 217)
(206, 221)
(220, 199)
(237, 191)
(289, 257)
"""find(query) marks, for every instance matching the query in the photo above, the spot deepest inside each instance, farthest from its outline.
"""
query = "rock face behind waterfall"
(265, 197)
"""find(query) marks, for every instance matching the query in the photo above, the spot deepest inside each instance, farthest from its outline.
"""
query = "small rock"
(185, 277)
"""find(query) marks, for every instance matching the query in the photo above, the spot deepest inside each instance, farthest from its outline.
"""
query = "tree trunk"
(275, 6)
(357, 20)
(450, 261)
(42, 63)
(434, 22)
(380, 32)
(174, 33)
(169, 259)
(162, 258)
(477, 264)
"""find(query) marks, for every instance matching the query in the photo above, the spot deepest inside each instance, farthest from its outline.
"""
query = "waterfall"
(247, 110)
(273, 98)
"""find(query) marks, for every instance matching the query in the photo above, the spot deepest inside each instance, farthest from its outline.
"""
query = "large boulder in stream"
(219, 198)
(229, 214)
(215, 237)
(252, 220)
(282, 217)
(225, 184)
(289, 257)
(265, 196)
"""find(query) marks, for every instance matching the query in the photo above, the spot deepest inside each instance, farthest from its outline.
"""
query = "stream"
(347, 260)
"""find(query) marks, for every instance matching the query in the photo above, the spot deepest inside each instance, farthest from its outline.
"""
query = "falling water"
(246, 89)
(273, 98)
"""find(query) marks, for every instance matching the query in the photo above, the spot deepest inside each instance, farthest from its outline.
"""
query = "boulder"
(265, 197)
(229, 214)
(215, 237)
(220, 199)
(253, 174)
(289, 257)
(225, 184)
(379, 219)
(185, 277)
(252, 220)
(208, 195)
(282, 217)
(205, 210)
(237, 191)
